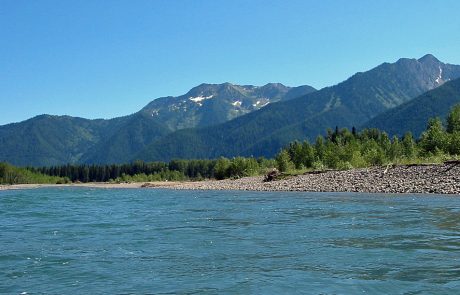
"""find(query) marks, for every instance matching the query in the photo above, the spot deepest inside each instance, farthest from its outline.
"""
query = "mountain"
(138, 130)
(54, 140)
(350, 103)
(211, 104)
(214, 120)
(204, 105)
(414, 115)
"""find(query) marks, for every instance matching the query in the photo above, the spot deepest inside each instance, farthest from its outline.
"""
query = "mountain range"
(213, 120)
(54, 140)
(350, 103)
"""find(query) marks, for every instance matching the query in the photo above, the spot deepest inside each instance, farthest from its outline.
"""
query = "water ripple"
(81, 241)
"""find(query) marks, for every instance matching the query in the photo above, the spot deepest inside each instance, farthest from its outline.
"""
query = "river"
(149, 241)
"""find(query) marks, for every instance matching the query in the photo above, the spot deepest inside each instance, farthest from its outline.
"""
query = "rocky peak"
(429, 59)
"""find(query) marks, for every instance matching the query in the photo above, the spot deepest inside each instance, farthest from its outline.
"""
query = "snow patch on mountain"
(260, 103)
(200, 98)
(439, 78)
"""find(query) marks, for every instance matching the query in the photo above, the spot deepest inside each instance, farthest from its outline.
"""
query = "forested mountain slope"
(52, 140)
(413, 116)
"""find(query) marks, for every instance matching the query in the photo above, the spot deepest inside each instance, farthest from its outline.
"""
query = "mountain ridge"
(346, 104)
(67, 139)
(213, 120)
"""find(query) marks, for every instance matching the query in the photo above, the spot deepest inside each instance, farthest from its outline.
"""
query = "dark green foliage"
(320, 148)
(156, 171)
(13, 175)
(296, 154)
(241, 167)
(396, 149)
(133, 135)
(434, 139)
(308, 154)
(51, 140)
(373, 153)
(221, 170)
(408, 145)
(283, 161)
(342, 149)
(453, 120)
(454, 143)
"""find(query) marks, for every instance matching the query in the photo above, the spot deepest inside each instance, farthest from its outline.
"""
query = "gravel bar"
(427, 178)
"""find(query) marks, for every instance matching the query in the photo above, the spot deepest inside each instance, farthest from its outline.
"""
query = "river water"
(146, 241)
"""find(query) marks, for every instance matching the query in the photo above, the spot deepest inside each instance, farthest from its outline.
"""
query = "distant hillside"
(414, 115)
(137, 131)
(350, 103)
(54, 140)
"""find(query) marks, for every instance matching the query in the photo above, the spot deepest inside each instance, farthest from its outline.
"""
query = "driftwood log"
(271, 175)
(452, 164)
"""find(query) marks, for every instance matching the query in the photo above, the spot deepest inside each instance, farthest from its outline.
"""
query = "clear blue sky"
(101, 59)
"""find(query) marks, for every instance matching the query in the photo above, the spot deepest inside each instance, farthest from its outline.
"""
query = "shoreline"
(425, 178)
(403, 179)
(107, 185)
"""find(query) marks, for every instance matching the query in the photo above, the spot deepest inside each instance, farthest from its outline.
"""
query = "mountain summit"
(428, 58)
(210, 104)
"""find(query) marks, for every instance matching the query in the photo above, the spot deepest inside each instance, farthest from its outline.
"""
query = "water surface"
(115, 241)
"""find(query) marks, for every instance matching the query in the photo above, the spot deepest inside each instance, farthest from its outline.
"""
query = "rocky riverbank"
(428, 178)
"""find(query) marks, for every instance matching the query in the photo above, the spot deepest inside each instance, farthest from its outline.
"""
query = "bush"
(221, 169)
(434, 138)
(283, 161)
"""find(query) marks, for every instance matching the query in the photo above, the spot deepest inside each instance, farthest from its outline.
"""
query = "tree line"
(338, 149)
(174, 170)
(15, 175)
(345, 149)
